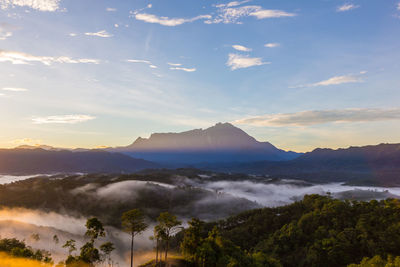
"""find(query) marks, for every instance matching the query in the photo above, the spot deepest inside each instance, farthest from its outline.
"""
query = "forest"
(316, 231)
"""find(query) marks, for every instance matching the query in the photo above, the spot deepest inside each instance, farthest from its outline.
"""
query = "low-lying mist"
(60, 206)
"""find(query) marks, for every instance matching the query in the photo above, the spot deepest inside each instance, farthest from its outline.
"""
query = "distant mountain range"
(217, 144)
(22, 161)
(223, 148)
(378, 164)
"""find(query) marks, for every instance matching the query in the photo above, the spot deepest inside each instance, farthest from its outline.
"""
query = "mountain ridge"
(222, 142)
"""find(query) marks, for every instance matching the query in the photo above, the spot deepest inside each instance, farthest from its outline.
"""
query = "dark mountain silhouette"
(379, 164)
(34, 161)
(220, 143)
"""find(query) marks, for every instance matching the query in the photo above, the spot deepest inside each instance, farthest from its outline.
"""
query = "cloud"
(236, 61)
(232, 4)
(103, 34)
(13, 89)
(6, 30)
(151, 65)
(272, 45)
(63, 119)
(23, 58)
(398, 6)
(111, 9)
(165, 21)
(138, 61)
(346, 7)
(183, 69)
(174, 64)
(305, 118)
(26, 141)
(233, 12)
(336, 80)
(72, 34)
(241, 48)
(4, 34)
(40, 5)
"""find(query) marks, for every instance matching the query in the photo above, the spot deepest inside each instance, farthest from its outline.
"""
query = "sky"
(299, 74)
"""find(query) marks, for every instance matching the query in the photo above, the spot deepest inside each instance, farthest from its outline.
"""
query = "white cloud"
(346, 7)
(236, 61)
(103, 34)
(398, 6)
(111, 9)
(6, 30)
(270, 13)
(232, 12)
(116, 25)
(63, 119)
(183, 69)
(336, 80)
(272, 45)
(165, 21)
(138, 61)
(305, 118)
(23, 58)
(41, 5)
(241, 48)
(72, 34)
(4, 34)
(232, 4)
(151, 65)
(174, 64)
(14, 89)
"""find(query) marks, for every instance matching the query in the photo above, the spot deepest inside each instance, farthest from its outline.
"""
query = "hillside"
(379, 164)
(34, 161)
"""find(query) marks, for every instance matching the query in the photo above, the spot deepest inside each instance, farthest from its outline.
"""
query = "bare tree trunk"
(157, 244)
(166, 250)
(132, 250)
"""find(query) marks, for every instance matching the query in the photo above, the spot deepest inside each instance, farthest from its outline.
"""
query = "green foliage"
(19, 249)
(318, 231)
(94, 229)
(70, 245)
(377, 261)
(133, 222)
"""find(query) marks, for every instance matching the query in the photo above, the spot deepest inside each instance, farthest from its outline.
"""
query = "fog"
(203, 197)
(6, 179)
(22, 223)
(287, 191)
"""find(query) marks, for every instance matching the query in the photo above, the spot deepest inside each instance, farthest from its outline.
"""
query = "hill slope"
(380, 164)
(34, 161)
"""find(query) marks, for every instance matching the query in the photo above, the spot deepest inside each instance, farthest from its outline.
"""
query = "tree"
(159, 235)
(133, 222)
(35, 237)
(70, 244)
(192, 239)
(107, 248)
(56, 240)
(94, 228)
(170, 226)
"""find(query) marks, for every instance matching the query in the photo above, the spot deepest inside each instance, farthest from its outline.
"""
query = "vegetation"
(133, 222)
(317, 231)
(19, 249)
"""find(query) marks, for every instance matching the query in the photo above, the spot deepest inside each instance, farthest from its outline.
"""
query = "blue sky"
(300, 74)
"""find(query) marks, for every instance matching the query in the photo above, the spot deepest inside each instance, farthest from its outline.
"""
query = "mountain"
(379, 164)
(20, 161)
(220, 143)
